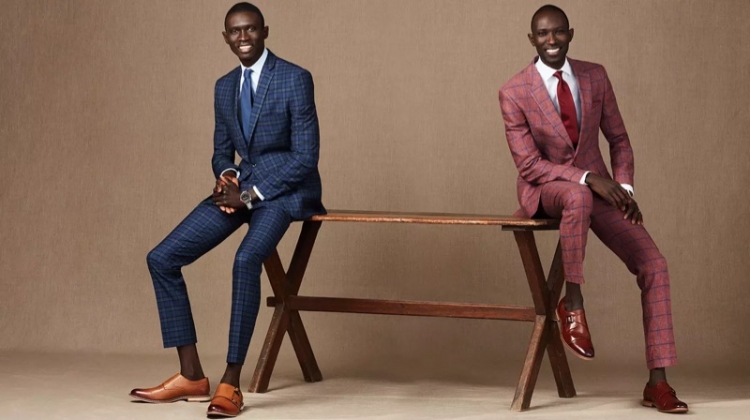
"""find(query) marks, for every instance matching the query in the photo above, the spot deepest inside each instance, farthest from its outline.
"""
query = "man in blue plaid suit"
(265, 113)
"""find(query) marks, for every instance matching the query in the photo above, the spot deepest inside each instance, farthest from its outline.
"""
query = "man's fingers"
(612, 200)
(622, 198)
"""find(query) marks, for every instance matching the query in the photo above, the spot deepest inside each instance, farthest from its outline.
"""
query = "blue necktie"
(246, 103)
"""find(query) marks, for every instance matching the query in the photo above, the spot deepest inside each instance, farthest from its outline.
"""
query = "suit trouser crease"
(202, 230)
(580, 210)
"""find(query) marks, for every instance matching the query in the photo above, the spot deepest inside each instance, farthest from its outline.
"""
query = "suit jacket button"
(254, 165)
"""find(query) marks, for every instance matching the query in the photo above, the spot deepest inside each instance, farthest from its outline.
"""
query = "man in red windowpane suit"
(553, 111)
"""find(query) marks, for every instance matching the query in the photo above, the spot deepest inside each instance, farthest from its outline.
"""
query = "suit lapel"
(539, 91)
(266, 76)
(584, 89)
(234, 105)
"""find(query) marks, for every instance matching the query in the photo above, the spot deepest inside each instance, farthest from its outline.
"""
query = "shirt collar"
(258, 66)
(548, 72)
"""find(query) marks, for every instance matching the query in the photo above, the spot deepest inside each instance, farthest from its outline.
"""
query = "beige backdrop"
(106, 129)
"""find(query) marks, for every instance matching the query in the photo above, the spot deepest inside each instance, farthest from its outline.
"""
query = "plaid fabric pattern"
(550, 169)
(204, 228)
(579, 209)
(280, 158)
(281, 155)
(572, 203)
(540, 145)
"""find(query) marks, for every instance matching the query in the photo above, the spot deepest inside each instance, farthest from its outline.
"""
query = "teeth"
(553, 51)
(245, 48)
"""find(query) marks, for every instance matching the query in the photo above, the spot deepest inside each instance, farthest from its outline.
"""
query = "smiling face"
(551, 36)
(245, 34)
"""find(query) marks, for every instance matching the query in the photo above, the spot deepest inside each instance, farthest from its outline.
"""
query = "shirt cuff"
(629, 189)
(236, 171)
(583, 178)
(257, 192)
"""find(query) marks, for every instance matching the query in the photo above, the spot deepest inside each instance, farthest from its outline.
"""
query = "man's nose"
(244, 34)
(551, 39)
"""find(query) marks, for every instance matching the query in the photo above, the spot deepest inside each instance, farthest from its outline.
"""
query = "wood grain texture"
(412, 308)
(435, 219)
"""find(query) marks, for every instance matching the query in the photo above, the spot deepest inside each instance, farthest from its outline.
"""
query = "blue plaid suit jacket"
(281, 156)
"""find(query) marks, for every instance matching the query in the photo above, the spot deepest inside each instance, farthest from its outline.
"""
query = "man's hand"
(609, 190)
(633, 213)
(226, 193)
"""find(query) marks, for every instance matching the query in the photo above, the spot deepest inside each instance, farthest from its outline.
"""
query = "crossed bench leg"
(285, 320)
(545, 333)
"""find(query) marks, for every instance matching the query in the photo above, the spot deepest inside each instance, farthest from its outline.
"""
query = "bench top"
(436, 219)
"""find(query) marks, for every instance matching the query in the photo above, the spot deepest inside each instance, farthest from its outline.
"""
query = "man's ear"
(531, 39)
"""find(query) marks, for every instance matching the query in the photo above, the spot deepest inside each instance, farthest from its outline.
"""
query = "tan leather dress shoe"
(176, 388)
(227, 402)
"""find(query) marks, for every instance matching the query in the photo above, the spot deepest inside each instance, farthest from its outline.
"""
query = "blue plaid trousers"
(203, 229)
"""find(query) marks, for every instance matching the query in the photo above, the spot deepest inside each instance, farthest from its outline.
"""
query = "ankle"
(573, 303)
(232, 375)
(657, 375)
(193, 375)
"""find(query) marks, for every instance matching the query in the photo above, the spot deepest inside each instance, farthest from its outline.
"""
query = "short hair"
(548, 8)
(244, 7)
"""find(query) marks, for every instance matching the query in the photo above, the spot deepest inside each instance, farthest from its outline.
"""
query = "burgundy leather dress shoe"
(227, 402)
(575, 331)
(664, 398)
(174, 389)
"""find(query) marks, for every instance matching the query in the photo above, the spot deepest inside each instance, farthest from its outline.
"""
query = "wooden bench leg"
(270, 351)
(555, 349)
(545, 334)
(530, 371)
(302, 349)
(285, 320)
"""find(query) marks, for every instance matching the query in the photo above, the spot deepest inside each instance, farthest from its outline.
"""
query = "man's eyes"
(236, 31)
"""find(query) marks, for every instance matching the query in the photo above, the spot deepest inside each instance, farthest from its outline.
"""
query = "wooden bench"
(544, 293)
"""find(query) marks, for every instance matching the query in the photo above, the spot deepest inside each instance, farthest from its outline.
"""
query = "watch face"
(245, 197)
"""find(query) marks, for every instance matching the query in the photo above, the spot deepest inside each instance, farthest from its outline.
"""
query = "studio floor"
(79, 386)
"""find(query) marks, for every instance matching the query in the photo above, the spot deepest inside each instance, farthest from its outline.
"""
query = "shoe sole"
(212, 414)
(191, 398)
(673, 411)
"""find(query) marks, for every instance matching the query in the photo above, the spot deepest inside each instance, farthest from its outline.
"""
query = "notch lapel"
(234, 105)
(539, 91)
(584, 89)
(266, 76)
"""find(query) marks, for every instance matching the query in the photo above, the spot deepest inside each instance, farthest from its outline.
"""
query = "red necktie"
(567, 108)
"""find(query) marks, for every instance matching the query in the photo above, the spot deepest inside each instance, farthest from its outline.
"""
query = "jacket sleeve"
(223, 157)
(613, 127)
(531, 165)
(302, 159)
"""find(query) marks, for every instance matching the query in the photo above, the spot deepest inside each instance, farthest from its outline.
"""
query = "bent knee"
(249, 260)
(655, 266)
(578, 197)
(157, 260)
(652, 271)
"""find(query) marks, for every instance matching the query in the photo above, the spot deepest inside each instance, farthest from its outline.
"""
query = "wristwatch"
(247, 198)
